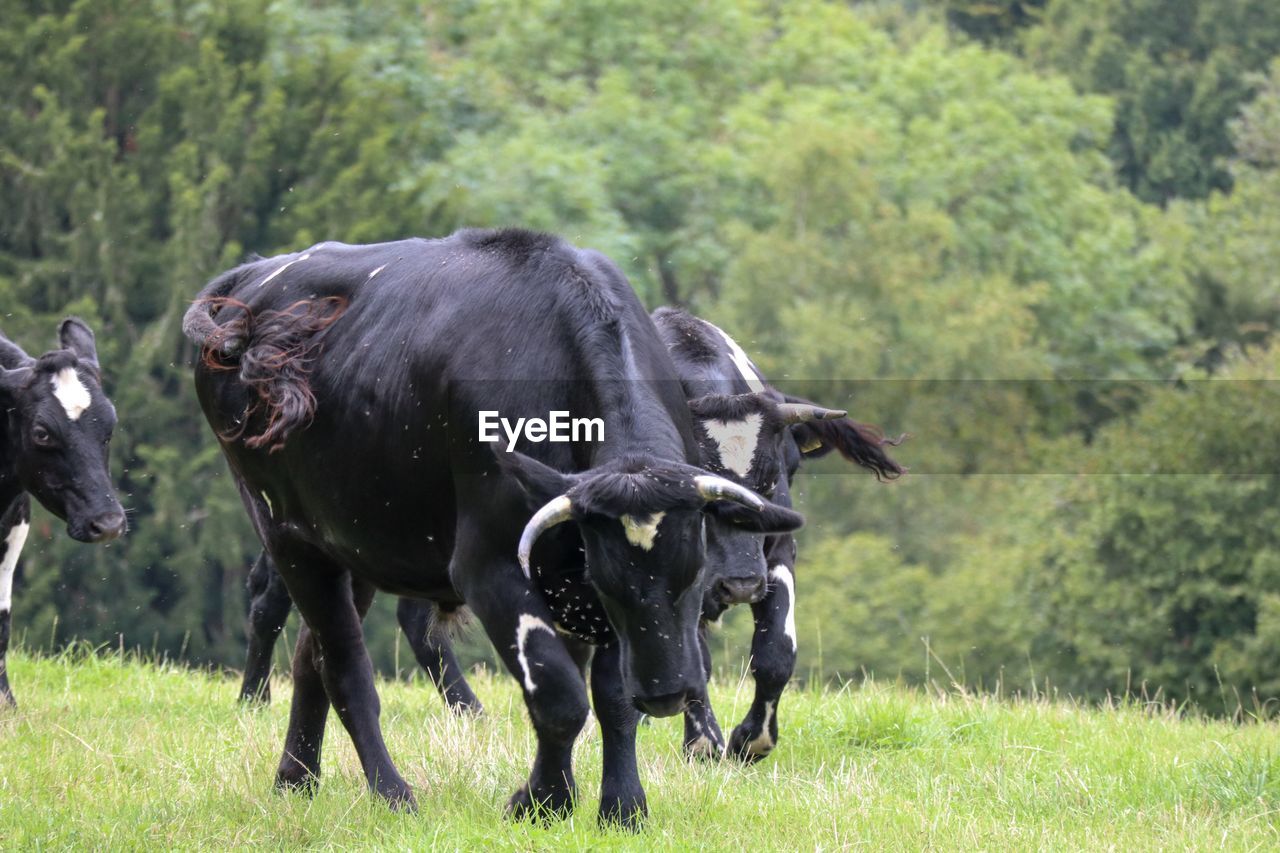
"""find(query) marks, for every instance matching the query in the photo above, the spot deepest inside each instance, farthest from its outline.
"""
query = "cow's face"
(746, 439)
(58, 431)
(643, 524)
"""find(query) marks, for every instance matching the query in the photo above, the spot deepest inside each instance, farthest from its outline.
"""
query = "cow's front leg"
(773, 660)
(435, 655)
(702, 737)
(622, 799)
(521, 628)
(269, 606)
(14, 525)
(332, 603)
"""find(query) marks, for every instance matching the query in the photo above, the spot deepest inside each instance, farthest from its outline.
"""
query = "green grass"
(112, 752)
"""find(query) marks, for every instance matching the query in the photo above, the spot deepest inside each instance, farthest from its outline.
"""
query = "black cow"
(746, 431)
(53, 446)
(345, 385)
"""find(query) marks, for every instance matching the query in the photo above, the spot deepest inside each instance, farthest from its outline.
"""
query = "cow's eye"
(41, 436)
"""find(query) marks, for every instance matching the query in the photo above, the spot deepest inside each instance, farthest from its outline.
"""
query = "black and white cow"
(345, 385)
(747, 431)
(759, 446)
(53, 446)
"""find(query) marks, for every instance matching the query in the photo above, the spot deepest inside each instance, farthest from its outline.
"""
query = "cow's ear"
(772, 518)
(541, 483)
(74, 334)
(11, 384)
(11, 355)
(810, 440)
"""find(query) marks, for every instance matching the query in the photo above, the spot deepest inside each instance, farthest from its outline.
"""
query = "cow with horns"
(53, 447)
(377, 360)
(748, 432)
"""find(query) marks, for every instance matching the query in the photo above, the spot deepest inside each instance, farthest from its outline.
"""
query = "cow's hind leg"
(13, 535)
(435, 655)
(333, 603)
(269, 607)
(622, 799)
(702, 736)
(300, 764)
(773, 660)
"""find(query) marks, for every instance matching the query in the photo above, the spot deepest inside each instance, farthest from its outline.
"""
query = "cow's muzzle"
(741, 590)
(665, 705)
(101, 528)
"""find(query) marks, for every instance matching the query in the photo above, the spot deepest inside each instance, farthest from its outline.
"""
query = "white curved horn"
(557, 511)
(798, 413)
(713, 488)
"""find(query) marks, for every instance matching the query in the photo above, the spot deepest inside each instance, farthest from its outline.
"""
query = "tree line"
(1040, 237)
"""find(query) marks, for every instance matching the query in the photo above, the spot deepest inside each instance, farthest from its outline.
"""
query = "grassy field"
(105, 752)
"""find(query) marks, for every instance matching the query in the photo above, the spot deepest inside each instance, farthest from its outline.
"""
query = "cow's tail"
(198, 323)
(271, 350)
(863, 444)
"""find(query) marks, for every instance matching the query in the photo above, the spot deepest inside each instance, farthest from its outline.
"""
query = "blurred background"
(1082, 195)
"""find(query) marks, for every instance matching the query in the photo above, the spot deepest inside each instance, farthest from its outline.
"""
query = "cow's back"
(413, 339)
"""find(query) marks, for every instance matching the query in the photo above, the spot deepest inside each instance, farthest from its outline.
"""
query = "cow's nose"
(662, 706)
(109, 525)
(746, 590)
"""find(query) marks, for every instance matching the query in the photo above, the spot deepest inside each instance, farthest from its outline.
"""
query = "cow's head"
(745, 438)
(643, 526)
(59, 426)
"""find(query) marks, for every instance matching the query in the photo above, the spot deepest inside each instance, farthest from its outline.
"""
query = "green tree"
(1178, 71)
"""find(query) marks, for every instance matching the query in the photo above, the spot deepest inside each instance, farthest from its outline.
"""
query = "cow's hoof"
(623, 811)
(253, 701)
(297, 781)
(749, 746)
(703, 748)
(467, 709)
(544, 807)
(399, 797)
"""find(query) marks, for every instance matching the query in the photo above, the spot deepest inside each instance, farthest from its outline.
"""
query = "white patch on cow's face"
(375, 272)
(282, 268)
(642, 531)
(782, 575)
(12, 549)
(71, 392)
(528, 622)
(737, 441)
(762, 744)
(741, 361)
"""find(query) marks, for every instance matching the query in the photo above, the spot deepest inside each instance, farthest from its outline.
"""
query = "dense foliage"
(889, 204)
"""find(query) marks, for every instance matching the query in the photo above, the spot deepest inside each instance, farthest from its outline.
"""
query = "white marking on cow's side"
(741, 361)
(762, 744)
(375, 272)
(71, 392)
(12, 549)
(782, 574)
(282, 268)
(528, 622)
(737, 441)
(642, 531)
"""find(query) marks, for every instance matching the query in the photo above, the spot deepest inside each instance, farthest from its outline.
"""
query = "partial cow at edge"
(54, 446)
